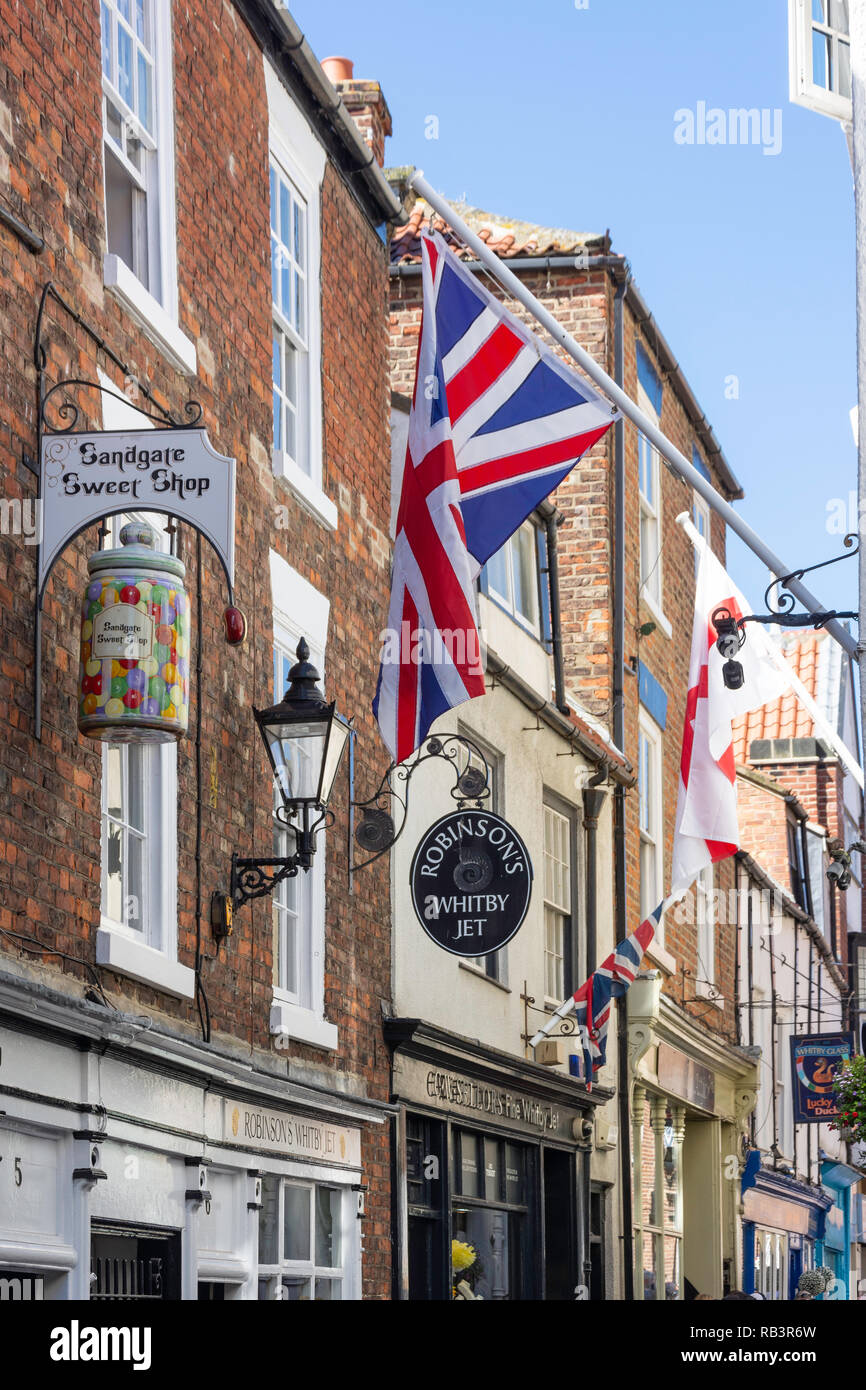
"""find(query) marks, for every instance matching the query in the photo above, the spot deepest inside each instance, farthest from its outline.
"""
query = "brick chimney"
(364, 102)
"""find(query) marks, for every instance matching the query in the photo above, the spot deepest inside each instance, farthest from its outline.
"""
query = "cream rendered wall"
(433, 985)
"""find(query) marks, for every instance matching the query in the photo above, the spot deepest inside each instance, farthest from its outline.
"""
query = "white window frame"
(301, 611)
(803, 90)
(563, 911)
(701, 519)
(298, 153)
(156, 313)
(506, 601)
(706, 903)
(651, 815)
(493, 967)
(348, 1271)
(651, 587)
(149, 955)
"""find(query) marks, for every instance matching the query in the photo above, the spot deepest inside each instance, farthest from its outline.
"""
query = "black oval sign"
(471, 881)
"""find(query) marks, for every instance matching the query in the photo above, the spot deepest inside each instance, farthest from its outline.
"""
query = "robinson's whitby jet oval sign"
(471, 881)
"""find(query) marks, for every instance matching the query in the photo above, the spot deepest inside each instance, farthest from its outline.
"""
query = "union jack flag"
(610, 981)
(497, 421)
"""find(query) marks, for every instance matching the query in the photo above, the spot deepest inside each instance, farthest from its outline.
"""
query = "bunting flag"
(591, 1003)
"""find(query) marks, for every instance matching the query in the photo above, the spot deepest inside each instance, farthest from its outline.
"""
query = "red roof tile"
(784, 717)
(508, 237)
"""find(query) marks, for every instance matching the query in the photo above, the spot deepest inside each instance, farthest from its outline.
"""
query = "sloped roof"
(509, 237)
(817, 659)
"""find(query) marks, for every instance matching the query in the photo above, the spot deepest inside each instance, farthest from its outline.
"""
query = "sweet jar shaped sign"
(133, 680)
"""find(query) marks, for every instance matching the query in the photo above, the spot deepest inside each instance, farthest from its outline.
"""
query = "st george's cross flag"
(497, 421)
(592, 1002)
(706, 828)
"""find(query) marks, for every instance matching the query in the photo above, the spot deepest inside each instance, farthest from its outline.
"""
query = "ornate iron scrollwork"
(377, 830)
(780, 604)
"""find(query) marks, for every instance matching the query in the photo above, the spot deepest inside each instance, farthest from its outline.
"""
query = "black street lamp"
(305, 739)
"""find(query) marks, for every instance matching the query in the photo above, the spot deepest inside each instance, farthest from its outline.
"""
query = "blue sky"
(565, 115)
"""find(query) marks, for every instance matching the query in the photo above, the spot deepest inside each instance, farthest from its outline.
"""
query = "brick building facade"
(142, 192)
(627, 585)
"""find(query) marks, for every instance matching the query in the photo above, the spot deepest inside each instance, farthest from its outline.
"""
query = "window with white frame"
(306, 1241)
(820, 56)
(649, 489)
(705, 905)
(651, 822)
(291, 358)
(512, 577)
(558, 891)
(298, 904)
(297, 166)
(139, 846)
(494, 965)
(701, 521)
(136, 99)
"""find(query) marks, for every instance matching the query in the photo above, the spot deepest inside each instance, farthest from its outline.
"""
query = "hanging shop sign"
(85, 477)
(133, 674)
(815, 1059)
(471, 880)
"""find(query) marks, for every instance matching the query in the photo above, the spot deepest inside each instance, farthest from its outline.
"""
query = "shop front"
(783, 1223)
(691, 1094)
(151, 1170)
(835, 1252)
(491, 1174)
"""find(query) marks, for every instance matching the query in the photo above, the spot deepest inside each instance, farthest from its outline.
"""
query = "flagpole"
(567, 1005)
(614, 393)
(823, 725)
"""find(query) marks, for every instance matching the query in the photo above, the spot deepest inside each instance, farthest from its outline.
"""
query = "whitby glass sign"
(471, 880)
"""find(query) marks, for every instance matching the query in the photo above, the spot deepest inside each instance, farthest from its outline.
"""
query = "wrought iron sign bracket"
(378, 831)
(58, 414)
(780, 606)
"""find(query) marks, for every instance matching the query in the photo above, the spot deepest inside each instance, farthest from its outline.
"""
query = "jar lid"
(137, 547)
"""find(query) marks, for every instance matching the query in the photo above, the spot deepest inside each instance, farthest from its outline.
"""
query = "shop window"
(651, 818)
(771, 1264)
(658, 1200)
(298, 903)
(490, 1212)
(512, 577)
(558, 899)
(303, 1240)
(134, 1264)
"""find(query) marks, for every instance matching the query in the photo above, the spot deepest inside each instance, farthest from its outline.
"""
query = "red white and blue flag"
(497, 421)
(592, 1002)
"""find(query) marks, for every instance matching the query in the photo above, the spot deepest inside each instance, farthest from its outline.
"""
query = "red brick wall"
(763, 817)
(583, 303)
(50, 138)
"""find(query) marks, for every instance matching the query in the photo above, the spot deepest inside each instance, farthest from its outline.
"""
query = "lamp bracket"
(781, 603)
(250, 878)
(378, 832)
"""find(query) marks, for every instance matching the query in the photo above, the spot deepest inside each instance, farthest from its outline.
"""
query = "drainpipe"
(550, 525)
(593, 800)
(620, 873)
(773, 1039)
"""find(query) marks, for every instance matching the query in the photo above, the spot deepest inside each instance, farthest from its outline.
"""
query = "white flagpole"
(567, 1005)
(678, 461)
(821, 722)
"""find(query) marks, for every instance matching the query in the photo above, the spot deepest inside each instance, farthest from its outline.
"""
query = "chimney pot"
(338, 69)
